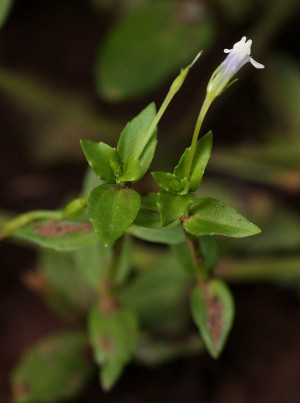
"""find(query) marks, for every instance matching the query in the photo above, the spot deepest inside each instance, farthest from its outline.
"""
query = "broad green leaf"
(183, 255)
(210, 216)
(133, 138)
(201, 157)
(172, 206)
(212, 309)
(165, 235)
(113, 337)
(157, 295)
(53, 370)
(5, 7)
(148, 215)
(112, 210)
(209, 246)
(61, 235)
(147, 46)
(148, 154)
(101, 157)
(132, 170)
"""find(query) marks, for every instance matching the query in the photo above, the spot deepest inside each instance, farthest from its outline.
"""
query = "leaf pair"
(133, 155)
(178, 182)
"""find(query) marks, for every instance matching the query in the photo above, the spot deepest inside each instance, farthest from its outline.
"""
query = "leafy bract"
(113, 337)
(148, 45)
(53, 370)
(210, 216)
(201, 157)
(103, 159)
(213, 311)
(61, 235)
(111, 210)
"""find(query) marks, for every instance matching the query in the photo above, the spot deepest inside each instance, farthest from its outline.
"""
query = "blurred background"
(83, 68)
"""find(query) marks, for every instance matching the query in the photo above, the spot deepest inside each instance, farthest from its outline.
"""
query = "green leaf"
(171, 182)
(183, 255)
(166, 235)
(133, 138)
(124, 261)
(61, 235)
(201, 157)
(113, 338)
(5, 7)
(53, 370)
(147, 46)
(172, 207)
(212, 309)
(210, 216)
(148, 215)
(102, 159)
(112, 210)
(209, 246)
(132, 170)
(90, 181)
(157, 295)
(148, 153)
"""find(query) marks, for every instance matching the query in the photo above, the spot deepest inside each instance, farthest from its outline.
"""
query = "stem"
(200, 269)
(205, 106)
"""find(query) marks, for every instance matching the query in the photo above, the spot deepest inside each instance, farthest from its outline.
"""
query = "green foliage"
(209, 246)
(201, 157)
(61, 235)
(167, 235)
(5, 7)
(172, 207)
(210, 216)
(112, 210)
(213, 311)
(148, 45)
(53, 370)
(148, 215)
(171, 182)
(113, 337)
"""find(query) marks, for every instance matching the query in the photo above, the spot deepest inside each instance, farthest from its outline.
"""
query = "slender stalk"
(205, 106)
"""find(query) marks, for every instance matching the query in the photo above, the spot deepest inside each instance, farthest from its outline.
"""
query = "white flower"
(237, 57)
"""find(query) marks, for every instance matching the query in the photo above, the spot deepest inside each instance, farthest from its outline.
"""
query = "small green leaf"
(148, 215)
(102, 159)
(112, 210)
(113, 338)
(132, 170)
(148, 153)
(164, 180)
(133, 138)
(61, 235)
(209, 246)
(201, 157)
(210, 216)
(166, 235)
(172, 207)
(53, 370)
(5, 7)
(125, 260)
(213, 312)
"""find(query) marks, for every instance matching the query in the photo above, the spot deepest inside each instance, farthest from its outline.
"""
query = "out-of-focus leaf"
(112, 210)
(53, 370)
(90, 182)
(158, 295)
(168, 235)
(61, 235)
(183, 255)
(145, 47)
(125, 260)
(156, 352)
(210, 216)
(113, 337)
(213, 311)
(148, 216)
(209, 246)
(5, 7)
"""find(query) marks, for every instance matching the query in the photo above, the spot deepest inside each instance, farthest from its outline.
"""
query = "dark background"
(54, 44)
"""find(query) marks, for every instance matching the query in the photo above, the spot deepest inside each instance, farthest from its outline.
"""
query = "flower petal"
(256, 64)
